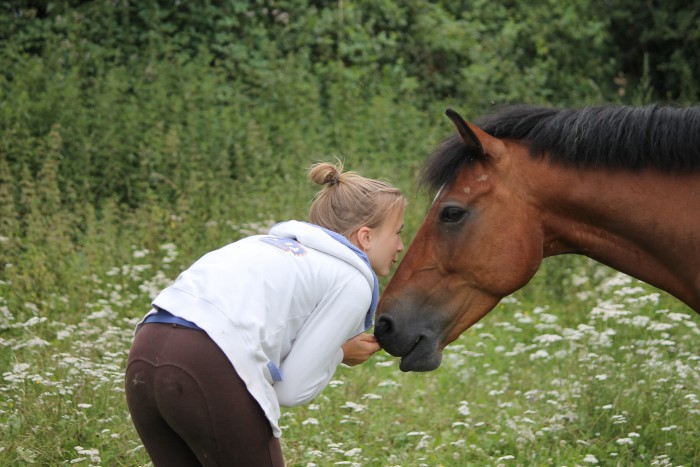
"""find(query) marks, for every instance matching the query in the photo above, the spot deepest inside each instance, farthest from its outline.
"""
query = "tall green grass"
(609, 376)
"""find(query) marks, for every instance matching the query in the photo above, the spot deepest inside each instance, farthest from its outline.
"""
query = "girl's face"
(383, 244)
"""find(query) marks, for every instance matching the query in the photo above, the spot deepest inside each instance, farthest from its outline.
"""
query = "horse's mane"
(617, 137)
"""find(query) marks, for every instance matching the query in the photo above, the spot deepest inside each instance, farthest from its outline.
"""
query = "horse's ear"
(466, 133)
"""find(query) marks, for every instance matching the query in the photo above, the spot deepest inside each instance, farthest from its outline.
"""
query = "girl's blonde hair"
(349, 201)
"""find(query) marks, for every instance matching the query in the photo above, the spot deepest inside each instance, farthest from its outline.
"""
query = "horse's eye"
(452, 214)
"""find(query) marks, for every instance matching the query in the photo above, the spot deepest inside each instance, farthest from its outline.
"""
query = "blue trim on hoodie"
(375, 291)
(275, 371)
(369, 318)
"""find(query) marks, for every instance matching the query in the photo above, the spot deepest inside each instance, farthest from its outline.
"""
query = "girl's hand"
(358, 349)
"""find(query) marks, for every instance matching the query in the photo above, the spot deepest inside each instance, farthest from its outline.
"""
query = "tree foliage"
(132, 102)
(560, 52)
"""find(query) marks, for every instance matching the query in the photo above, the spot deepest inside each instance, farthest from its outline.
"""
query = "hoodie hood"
(329, 242)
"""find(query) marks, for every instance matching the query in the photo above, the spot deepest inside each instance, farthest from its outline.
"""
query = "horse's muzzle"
(418, 351)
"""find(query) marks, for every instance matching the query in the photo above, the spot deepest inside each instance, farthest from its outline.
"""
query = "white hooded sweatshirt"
(280, 306)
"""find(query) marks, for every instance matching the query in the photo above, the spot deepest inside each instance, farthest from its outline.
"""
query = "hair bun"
(348, 201)
(325, 173)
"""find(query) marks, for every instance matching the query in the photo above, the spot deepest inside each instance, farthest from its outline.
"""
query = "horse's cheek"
(526, 260)
(510, 261)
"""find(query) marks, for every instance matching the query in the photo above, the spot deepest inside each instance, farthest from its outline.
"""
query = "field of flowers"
(135, 136)
(616, 382)
(608, 375)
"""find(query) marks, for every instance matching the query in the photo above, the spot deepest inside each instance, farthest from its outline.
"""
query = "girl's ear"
(364, 238)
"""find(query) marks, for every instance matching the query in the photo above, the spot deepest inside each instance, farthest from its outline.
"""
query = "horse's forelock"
(443, 165)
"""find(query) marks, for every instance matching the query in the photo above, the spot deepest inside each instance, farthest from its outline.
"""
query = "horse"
(619, 184)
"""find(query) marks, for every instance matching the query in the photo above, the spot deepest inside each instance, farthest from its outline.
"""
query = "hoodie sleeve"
(316, 352)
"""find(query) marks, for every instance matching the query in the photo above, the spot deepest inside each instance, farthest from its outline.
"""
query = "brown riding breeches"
(189, 405)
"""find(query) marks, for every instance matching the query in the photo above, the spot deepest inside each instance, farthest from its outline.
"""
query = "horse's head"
(480, 241)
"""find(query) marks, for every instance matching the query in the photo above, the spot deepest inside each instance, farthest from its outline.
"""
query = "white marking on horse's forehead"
(467, 190)
(482, 178)
(437, 195)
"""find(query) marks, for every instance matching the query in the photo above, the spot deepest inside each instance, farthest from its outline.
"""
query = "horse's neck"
(646, 224)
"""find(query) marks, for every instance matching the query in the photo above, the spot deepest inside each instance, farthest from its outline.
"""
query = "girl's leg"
(163, 444)
(199, 396)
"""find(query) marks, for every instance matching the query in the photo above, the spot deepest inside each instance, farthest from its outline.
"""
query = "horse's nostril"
(383, 326)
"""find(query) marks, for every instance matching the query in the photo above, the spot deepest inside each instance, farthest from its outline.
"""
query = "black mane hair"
(617, 137)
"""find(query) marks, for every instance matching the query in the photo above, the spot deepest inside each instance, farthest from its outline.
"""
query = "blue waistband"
(162, 316)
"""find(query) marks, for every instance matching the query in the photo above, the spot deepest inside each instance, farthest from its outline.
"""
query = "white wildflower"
(371, 396)
(656, 326)
(385, 364)
(138, 254)
(354, 406)
(678, 316)
(539, 354)
(548, 338)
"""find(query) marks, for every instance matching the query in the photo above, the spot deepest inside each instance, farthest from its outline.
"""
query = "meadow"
(136, 136)
(592, 368)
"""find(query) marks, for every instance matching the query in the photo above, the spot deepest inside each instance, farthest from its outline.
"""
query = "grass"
(608, 375)
(117, 174)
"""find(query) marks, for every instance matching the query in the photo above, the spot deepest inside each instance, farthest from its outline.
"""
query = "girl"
(262, 323)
